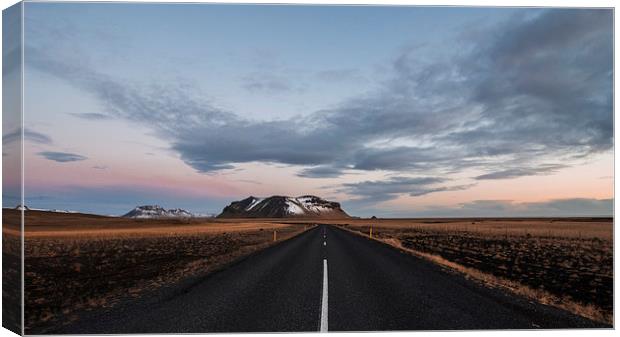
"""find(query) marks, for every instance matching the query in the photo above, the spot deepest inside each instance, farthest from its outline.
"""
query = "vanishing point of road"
(326, 279)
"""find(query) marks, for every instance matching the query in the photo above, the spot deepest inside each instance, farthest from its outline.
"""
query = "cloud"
(575, 206)
(525, 97)
(248, 181)
(545, 83)
(392, 188)
(91, 116)
(340, 75)
(504, 208)
(400, 158)
(100, 167)
(29, 135)
(266, 83)
(320, 172)
(61, 157)
(520, 172)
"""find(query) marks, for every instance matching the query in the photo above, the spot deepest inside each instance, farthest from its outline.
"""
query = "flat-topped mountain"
(155, 211)
(307, 206)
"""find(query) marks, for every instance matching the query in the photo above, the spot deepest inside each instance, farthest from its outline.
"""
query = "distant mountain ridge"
(157, 212)
(307, 206)
(26, 208)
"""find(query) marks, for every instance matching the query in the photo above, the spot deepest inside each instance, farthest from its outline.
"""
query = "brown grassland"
(11, 274)
(78, 262)
(564, 262)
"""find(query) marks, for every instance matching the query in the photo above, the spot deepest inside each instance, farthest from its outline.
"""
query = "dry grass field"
(11, 273)
(78, 262)
(562, 262)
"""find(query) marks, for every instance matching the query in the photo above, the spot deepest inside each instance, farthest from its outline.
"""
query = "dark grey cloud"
(545, 83)
(402, 158)
(100, 167)
(525, 97)
(520, 172)
(61, 157)
(29, 135)
(388, 189)
(321, 172)
(91, 116)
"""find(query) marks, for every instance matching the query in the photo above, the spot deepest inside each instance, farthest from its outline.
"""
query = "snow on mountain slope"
(293, 208)
(255, 202)
(140, 212)
(26, 208)
(283, 206)
(156, 211)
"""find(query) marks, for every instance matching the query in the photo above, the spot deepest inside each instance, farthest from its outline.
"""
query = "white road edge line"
(324, 299)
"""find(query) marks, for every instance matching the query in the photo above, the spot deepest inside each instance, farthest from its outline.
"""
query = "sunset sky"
(392, 111)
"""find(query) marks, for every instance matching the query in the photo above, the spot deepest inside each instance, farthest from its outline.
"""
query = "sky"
(391, 111)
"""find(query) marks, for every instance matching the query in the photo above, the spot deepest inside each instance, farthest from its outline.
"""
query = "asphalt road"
(326, 279)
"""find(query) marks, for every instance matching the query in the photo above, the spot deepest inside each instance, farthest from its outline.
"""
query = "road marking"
(324, 299)
(324, 243)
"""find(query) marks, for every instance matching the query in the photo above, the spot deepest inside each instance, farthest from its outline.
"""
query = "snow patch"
(293, 208)
(255, 202)
(314, 204)
(155, 211)
(26, 208)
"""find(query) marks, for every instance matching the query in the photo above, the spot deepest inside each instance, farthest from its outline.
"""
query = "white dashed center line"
(324, 299)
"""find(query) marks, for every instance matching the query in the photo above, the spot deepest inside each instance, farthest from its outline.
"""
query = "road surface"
(326, 279)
